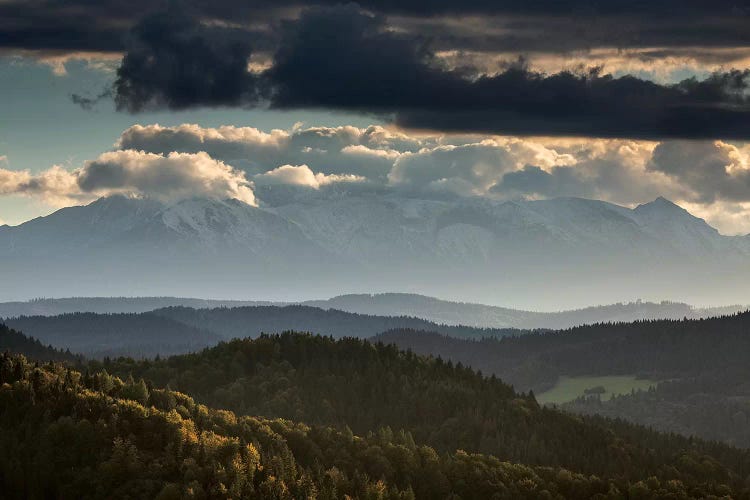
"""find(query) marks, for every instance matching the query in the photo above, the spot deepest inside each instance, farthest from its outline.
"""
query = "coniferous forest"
(303, 416)
(700, 365)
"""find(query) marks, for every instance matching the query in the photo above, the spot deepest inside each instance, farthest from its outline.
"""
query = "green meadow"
(569, 388)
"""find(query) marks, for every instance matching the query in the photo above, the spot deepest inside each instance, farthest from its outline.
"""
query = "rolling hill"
(701, 366)
(97, 335)
(99, 436)
(17, 343)
(447, 406)
(175, 330)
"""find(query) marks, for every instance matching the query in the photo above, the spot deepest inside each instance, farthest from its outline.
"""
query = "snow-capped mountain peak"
(364, 243)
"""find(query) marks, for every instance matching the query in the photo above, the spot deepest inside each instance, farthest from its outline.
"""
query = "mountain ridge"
(550, 253)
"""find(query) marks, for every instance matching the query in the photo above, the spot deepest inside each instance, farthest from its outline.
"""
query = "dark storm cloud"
(521, 102)
(174, 62)
(550, 25)
(346, 59)
(342, 58)
(339, 57)
(102, 25)
(588, 8)
(560, 34)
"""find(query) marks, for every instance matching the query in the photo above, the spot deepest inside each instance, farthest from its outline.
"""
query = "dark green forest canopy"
(712, 406)
(241, 322)
(703, 366)
(351, 382)
(65, 435)
(658, 349)
(16, 342)
(708, 397)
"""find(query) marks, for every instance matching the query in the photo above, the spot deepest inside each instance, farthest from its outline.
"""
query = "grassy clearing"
(569, 388)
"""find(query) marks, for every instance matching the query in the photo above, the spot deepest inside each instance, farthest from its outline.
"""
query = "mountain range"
(446, 312)
(545, 254)
(404, 306)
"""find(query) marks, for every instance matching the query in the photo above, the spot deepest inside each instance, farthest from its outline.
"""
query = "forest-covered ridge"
(701, 365)
(702, 362)
(660, 349)
(250, 321)
(18, 343)
(178, 330)
(98, 335)
(351, 382)
(99, 436)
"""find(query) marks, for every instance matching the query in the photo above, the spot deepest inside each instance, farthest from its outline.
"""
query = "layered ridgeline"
(364, 386)
(486, 316)
(18, 343)
(110, 305)
(240, 322)
(72, 436)
(176, 330)
(438, 311)
(699, 368)
(98, 335)
(545, 254)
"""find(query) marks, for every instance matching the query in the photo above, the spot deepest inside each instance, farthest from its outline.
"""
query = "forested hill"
(659, 349)
(97, 436)
(241, 322)
(18, 343)
(97, 335)
(702, 366)
(354, 383)
(178, 330)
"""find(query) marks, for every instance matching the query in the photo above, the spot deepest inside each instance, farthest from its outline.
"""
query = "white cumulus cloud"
(711, 177)
(164, 177)
(302, 175)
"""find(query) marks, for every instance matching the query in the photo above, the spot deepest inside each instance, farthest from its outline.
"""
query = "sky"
(612, 100)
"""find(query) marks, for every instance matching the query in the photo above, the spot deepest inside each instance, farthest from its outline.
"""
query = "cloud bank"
(622, 171)
(569, 24)
(163, 177)
(276, 167)
(347, 59)
(600, 72)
